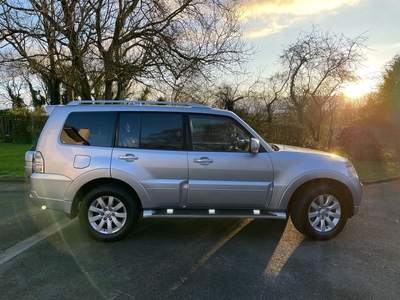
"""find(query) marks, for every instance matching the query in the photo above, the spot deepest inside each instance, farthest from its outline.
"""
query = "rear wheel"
(108, 213)
(320, 212)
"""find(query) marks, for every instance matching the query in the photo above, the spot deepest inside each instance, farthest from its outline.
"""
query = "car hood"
(309, 152)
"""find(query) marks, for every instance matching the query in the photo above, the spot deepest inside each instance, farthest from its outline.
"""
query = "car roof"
(128, 105)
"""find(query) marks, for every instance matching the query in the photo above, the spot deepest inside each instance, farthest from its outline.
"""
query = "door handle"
(128, 157)
(203, 161)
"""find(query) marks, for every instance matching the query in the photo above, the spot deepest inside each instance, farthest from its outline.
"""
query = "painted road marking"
(33, 240)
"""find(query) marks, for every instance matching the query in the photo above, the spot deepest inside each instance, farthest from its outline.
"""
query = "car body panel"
(29, 162)
(295, 166)
(162, 174)
(232, 179)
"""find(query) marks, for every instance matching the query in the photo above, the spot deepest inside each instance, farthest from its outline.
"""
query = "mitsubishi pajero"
(111, 161)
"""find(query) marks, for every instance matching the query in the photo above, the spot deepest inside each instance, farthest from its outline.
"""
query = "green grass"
(12, 164)
(372, 170)
(12, 160)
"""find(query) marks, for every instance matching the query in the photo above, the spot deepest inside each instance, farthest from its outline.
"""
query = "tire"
(320, 212)
(108, 213)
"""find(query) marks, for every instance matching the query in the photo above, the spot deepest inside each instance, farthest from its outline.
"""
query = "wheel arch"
(336, 184)
(87, 187)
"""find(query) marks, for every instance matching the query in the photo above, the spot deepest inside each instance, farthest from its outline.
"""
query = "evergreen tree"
(389, 91)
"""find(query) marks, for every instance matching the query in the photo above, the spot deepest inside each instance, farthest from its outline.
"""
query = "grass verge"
(373, 170)
(12, 158)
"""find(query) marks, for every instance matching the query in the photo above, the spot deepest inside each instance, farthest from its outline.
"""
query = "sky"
(272, 24)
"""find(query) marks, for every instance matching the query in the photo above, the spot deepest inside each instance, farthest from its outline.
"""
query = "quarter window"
(89, 129)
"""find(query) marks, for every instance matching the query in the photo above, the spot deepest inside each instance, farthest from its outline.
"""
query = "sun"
(354, 90)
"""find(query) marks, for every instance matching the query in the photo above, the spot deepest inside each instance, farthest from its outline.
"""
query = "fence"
(5, 129)
(20, 129)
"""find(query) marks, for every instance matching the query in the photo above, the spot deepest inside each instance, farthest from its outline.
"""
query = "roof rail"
(136, 102)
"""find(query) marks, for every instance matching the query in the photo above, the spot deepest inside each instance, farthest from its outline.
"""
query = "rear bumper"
(48, 191)
(56, 204)
(29, 162)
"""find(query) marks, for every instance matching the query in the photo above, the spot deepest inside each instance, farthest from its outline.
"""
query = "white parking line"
(33, 240)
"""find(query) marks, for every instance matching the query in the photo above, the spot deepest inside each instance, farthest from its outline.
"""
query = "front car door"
(222, 171)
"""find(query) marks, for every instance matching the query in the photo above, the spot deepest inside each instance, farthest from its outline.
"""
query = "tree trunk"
(108, 91)
(54, 91)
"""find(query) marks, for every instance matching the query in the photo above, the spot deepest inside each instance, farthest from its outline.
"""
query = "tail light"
(38, 162)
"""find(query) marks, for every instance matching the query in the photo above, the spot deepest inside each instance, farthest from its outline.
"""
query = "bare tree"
(268, 92)
(227, 95)
(167, 41)
(13, 84)
(84, 44)
(51, 37)
(15, 96)
(318, 65)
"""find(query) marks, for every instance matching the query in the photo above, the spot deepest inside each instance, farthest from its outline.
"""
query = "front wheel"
(108, 213)
(319, 213)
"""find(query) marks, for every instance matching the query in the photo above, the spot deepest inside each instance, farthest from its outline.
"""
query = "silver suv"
(111, 161)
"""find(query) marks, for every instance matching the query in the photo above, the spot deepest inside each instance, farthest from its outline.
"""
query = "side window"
(217, 133)
(161, 131)
(89, 128)
(128, 130)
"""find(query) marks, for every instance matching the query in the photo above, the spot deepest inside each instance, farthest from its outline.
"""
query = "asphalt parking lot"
(200, 258)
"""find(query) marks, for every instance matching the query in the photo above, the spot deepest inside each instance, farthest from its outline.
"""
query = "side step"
(213, 213)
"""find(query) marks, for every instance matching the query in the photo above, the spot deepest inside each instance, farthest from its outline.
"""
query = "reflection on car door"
(222, 172)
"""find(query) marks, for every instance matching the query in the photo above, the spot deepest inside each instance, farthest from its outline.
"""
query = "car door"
(222, 171)
(150, 149)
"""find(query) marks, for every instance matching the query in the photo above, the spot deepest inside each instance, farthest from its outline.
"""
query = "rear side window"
(89, 128)
(129, 130)
(162, 131)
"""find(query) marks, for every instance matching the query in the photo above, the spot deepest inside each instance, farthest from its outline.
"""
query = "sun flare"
(353, 90)
(356, 90)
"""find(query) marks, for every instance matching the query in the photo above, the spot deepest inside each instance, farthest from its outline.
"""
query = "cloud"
(270, 25)
(390, 46)
(260, 8)
(266, 17)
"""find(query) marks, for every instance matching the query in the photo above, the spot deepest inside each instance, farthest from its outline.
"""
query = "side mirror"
(254, 146)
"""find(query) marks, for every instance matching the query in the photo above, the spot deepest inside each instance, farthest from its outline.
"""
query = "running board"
(213, 213)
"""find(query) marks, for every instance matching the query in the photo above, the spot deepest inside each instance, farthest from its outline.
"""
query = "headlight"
(352, 171)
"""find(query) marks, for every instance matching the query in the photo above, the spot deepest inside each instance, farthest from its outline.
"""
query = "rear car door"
(222, 171)
(150, 149)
